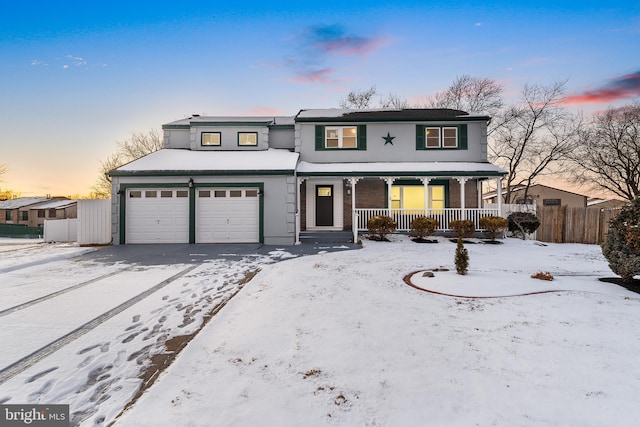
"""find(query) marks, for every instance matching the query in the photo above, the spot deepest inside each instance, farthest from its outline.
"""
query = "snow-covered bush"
(621, 247)
(423, 226)
(462, 227)
(380, 225)
(493, 226)
(523, 223)
(462, 258)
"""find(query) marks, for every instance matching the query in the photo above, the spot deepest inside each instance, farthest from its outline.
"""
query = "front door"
(324, 205)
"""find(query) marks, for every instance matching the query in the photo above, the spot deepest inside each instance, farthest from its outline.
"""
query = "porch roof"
(417, 169)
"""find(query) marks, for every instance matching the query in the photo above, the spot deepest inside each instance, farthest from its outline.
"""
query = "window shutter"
(320, 137)
(420, 144)
(362, 137)
(462, 137)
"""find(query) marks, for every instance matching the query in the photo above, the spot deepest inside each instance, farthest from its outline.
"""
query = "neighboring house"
(52, 209)
(267, 179)
(542, 195)
(23, 210)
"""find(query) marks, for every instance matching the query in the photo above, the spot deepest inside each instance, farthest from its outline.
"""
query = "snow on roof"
(55, 204)
(269, 120)
(21, 202)
(405, 168)
(391, 114)
(187, 160)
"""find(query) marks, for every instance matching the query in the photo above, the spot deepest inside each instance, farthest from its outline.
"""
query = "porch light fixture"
(190, 182)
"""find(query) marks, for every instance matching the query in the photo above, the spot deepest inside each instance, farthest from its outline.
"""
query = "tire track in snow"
(60, 292)
(27, 361)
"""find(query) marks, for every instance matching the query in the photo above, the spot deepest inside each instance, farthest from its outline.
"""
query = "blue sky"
(77, 76)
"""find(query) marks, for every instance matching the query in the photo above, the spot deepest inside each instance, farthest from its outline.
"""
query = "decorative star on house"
(388, 139)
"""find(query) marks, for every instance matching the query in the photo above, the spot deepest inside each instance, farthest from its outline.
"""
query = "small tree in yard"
(622, 244)
(423, 226)
(462, 258)
(380, 225)
(493, 226)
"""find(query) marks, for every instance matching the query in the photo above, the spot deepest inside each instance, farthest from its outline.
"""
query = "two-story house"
(268, 179)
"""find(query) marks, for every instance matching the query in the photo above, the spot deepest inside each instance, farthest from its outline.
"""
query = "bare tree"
(608, 156)
(359, 99)
(394, 101)
(138, 145)
(471, 94)
(534, 136)
(3, 169)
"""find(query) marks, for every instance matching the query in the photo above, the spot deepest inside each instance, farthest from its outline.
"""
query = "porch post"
(462, 182)
(499, 194)
(299, 182)
(354, 217)
(479, 191)
(389, 182)
(425, 183)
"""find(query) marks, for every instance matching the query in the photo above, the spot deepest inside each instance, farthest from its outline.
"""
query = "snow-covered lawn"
(339, 339)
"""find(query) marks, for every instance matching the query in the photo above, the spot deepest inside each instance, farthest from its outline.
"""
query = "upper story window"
(24, 215)
(247, 138)
(441, 137)
(341, 137)
(210, 139)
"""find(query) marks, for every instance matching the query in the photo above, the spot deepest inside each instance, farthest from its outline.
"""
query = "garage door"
(227, 215)
(158, 215)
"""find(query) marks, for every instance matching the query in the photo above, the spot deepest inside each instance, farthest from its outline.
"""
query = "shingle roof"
(406, 114)
(21, 202)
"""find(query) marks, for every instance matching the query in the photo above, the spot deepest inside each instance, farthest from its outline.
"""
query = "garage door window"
(135, 194)
(220, 193)
(235, 193)
(166, 194)
(150, 194)
(251, 193)
(181, 193)
(204, 193)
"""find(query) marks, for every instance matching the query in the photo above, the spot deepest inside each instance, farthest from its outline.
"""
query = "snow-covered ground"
(340, 339)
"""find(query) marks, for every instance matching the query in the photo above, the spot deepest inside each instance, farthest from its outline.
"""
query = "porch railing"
(403, 217)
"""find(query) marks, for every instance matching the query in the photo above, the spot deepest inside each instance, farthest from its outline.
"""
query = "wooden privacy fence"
(564, 224)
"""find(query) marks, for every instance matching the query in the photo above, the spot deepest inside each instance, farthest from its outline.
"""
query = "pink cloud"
(313, 76)
(265, 111)
(627, 86)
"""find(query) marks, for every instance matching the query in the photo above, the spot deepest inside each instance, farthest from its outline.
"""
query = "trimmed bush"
(523, 223)
(423, 226)
(462, 258)
(380, 225)
(621, 247)
(493, 226)
(462, 227)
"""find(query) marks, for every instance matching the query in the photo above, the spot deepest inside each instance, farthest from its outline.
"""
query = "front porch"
(403, 217)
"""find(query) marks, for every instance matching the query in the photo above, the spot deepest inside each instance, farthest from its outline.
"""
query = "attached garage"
(157, 215)
(227, 215)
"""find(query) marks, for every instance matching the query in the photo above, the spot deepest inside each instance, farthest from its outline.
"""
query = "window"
(441, 137)
(150, 194)
(166, 193)
(247, 138)
(251, 193)
(24, 215)
(341, 137)
(412, 197)
(235, 193)
(210, 139)
(52, 213)
(204, 193)
(551, 202)
(40, 213)
(8, 215)
(182, 193)
(220, 193)
(135, 194)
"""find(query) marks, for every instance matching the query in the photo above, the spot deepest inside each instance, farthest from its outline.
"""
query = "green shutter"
(320, 137)
(462, 137)
(420, 144)
(362, 137)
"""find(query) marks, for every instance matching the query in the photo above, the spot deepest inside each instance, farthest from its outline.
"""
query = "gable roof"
(395, 114)
(55, 204)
